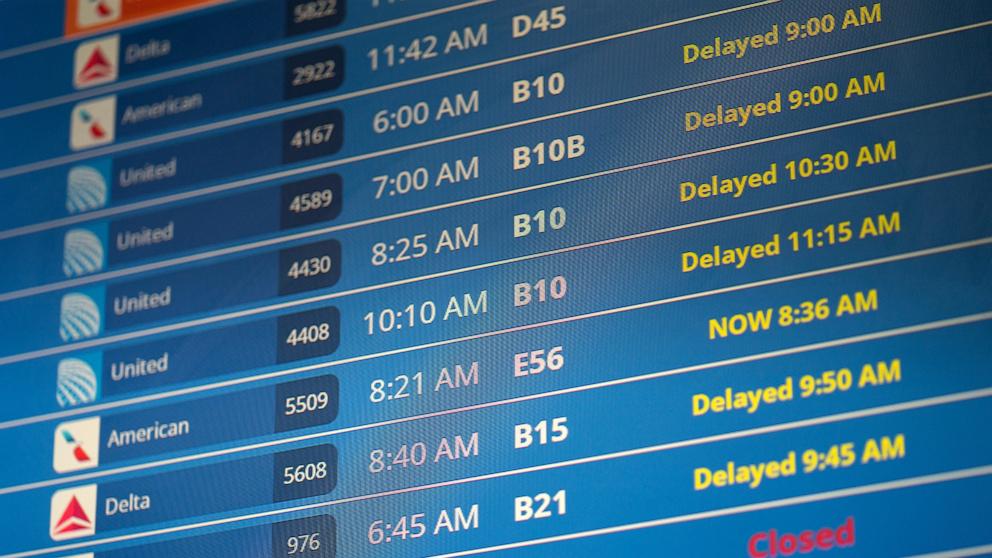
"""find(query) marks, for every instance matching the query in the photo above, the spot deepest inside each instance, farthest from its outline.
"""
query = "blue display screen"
(411, 278)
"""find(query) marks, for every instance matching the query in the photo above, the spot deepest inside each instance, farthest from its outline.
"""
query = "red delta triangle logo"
(96, 61)
(73, 512)
(97, 67)
(73, 519)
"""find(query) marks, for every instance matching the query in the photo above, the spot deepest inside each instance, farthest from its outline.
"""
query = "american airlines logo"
(77, 445)
(96, 12)
(93, 123)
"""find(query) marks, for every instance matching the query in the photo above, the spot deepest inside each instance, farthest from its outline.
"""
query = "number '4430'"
(310, 267)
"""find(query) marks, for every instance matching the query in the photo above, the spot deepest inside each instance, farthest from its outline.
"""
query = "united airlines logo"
(82, 253)
(73, 513)
(86, 189)
(93, 123)
(79, 318)
(77, 445)
(77, 383)
(96, 62)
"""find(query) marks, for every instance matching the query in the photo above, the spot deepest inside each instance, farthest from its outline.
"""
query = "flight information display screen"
(509, 278)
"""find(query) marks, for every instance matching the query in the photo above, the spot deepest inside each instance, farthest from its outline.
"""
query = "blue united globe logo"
(86, 190)
(83, 253)
(80, 317)
(77, 383)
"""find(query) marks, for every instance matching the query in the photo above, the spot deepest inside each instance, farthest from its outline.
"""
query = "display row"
(191, 42)
(567, 150)
(411, 371)
(489, 501)
(430, 104)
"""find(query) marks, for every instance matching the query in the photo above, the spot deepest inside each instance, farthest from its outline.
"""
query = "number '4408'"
(309, 334)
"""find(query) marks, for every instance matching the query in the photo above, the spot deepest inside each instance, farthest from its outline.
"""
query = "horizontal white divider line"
(222, 62)
(749, 508)
(896, 332)
(958, 553)
(841, 417)
(216, 318)
(22, 169)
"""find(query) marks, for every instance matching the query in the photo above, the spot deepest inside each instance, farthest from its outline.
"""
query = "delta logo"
(96, 62)
(77, 445)
(96, 12)
(73, 513)
(93, 123)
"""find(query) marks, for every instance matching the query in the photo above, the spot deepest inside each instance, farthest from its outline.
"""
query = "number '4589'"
(311, 201)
